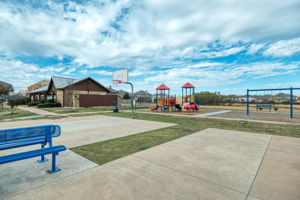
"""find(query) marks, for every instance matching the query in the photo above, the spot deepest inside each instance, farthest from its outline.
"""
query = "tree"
(126, 95)
(13, 103)
(5, 88)
(2, 104)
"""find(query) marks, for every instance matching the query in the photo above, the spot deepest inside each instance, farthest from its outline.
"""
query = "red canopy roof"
(162, 87)
(188, 85)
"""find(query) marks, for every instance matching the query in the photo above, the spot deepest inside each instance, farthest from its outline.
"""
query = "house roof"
(188, 85)
(79, 80)
(42, 89)
(62, 82)
(162, 87)
(142, 92)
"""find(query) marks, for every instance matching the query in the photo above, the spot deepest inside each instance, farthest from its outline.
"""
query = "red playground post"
(188, 101)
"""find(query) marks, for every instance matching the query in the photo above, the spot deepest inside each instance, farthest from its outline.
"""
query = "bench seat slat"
(21, 144)
(31, 154)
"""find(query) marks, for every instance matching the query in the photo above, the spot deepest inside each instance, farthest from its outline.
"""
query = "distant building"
(122, 92)
(143, 96)
(243, 98)
(22, 93)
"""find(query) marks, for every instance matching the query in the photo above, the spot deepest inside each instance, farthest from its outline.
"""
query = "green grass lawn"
(106, 151)
(62, 110)
(5, 114)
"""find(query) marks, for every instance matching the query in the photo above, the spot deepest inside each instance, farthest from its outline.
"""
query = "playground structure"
(270, 106)
(165, 103)
(188, 101)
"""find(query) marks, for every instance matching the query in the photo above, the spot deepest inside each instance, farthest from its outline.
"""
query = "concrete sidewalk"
(40, 111)
(209, 165)
(78, 131)
(211, 113)
(24, 175)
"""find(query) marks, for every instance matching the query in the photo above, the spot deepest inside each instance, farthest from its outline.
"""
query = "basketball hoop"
(120, 76)
(116, 82)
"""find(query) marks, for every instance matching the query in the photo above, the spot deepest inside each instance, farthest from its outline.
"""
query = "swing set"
(262, 106)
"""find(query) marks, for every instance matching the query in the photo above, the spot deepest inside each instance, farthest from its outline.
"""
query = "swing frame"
(291, 89)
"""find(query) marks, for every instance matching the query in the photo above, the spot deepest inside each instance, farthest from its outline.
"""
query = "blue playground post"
(247, 99)
(291, 103)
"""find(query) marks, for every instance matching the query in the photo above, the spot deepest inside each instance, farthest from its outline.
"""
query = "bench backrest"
(19, 135)
(264, 106)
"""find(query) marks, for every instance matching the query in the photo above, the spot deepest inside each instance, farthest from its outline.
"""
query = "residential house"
(143, 96)
(72, 92)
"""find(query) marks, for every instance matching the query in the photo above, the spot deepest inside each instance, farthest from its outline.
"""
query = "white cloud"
(158, 40)
(284, 48)
(137, 33)
(205, 64)
(216, 75)
(254, 48)
(102, 72)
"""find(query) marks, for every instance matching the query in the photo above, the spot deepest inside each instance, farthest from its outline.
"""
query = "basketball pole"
(132, 109)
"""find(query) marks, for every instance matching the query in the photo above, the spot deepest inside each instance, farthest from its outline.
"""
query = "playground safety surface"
(264, 116)
(210, 164)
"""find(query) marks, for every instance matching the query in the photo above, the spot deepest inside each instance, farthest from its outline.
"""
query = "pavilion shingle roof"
(62, 82)
(42, 89)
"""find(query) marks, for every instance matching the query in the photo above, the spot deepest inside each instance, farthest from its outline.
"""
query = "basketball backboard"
(120, 76)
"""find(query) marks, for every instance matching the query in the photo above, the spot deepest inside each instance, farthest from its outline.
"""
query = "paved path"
(209, 116)
(252, 120)
(212, 113)
(39, 111)
(23, 175)
(78, 131)
(208, 165)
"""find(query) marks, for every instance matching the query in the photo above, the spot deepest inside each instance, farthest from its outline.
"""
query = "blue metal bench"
(260, 107)
(20, 137)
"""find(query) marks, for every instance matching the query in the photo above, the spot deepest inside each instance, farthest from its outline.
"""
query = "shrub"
(50, 101)
(33, 104)
(48, 105)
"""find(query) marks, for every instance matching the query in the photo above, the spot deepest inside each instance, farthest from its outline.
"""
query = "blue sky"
(225, 46)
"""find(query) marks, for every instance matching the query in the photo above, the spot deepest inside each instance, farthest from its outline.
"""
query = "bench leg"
(53, 166)
(43, 159)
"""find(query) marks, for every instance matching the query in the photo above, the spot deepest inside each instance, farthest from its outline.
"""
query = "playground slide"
(154, 108)
(191, 107)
